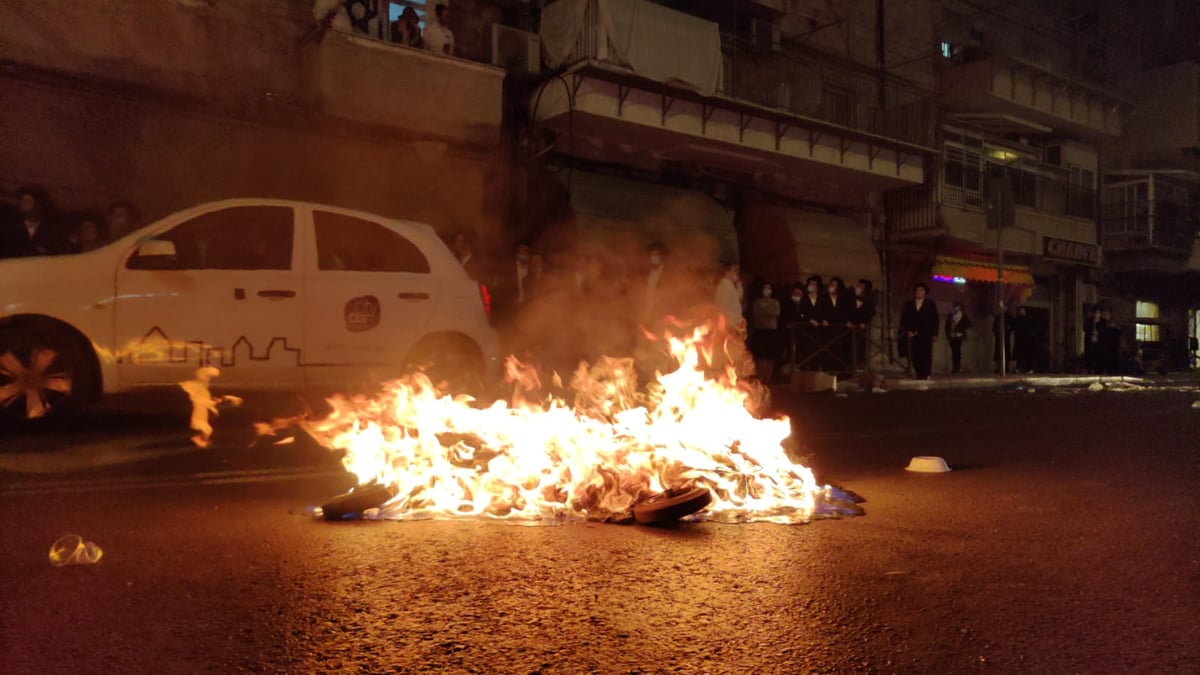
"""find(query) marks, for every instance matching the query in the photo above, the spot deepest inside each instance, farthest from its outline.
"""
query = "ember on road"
(1065, 540)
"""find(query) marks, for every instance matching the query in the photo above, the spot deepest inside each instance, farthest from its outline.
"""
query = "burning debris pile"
(600, 457)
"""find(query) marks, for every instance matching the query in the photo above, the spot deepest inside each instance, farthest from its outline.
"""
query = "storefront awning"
(974, 270)
(788, 244)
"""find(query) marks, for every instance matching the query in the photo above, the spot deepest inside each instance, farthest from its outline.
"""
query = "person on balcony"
(406, 30)
(919, 324)
(956, 331)
(438, 36)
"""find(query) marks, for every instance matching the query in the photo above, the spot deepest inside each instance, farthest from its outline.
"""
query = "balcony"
(671, 86)
(1016, 96)
(1150, 220)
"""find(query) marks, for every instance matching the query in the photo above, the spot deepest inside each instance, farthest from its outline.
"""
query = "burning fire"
(538, 457)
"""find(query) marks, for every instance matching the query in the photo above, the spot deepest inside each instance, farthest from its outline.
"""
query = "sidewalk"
(897, 381)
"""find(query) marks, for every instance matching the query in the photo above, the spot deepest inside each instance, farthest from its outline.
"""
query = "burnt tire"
(46, 374)
(670, 506)
(356, 501)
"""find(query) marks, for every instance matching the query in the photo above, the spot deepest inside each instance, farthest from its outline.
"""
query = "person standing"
(123, 218)
(1024, 341)
(764, 333)
(438, 36)
(406, 30)
(835, 310)
(808, 331)
(919, 323)
(956, 331)
(729, 298)
(34, 232)
(1093, 329)
(862, 312)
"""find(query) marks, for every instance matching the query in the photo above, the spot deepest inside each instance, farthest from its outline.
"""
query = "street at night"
(1065, 540)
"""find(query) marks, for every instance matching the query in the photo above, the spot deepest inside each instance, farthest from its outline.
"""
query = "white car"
(277, 294)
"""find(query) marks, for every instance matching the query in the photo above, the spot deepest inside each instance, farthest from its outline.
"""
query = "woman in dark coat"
(956, 331)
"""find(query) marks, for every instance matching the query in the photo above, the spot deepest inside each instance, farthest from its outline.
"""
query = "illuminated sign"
(949, 280)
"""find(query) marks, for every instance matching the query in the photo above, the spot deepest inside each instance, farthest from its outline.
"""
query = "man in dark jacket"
(33, 230)
(919, 323)
(862, 312)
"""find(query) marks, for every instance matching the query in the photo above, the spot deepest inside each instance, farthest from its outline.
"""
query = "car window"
(346, 243)
(236, 238)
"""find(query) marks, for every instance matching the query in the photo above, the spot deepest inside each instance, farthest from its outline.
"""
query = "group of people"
(817, 326)
(33, 226)
(405, 30)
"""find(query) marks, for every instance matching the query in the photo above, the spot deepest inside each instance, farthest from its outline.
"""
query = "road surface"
(1066, 540)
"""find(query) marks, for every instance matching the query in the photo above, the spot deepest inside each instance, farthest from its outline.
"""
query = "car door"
(370, 296)
(221, 288)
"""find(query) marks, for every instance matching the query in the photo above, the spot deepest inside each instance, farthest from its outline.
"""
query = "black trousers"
(922, 356)
(956, 353)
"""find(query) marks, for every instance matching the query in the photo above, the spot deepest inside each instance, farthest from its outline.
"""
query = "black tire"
(453, 365)
(45, 374)
(356, 501)
(672, 505)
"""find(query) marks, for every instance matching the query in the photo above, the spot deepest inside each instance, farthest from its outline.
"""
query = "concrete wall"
(89, 149)
(1166, 113)
(173, 102)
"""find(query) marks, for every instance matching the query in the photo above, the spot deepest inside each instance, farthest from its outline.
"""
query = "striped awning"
(974, 270)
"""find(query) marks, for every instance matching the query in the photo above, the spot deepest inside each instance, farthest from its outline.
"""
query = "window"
(346, 243)
(1147, 332)
(947, 50)
(237, 238)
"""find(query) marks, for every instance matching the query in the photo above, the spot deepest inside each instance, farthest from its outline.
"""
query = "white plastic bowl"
(927, 465)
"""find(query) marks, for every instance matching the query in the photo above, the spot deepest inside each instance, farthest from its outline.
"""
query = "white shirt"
(31, 226)
(438, 38)
(729, 302)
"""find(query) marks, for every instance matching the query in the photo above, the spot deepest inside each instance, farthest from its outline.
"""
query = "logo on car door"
(362, 313)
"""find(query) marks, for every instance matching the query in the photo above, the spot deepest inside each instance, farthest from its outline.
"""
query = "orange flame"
(539, 458)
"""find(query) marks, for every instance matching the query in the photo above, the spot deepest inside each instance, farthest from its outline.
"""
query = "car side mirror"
(156, 248)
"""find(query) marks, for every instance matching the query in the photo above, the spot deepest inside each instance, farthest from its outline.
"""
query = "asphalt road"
(1067, 540)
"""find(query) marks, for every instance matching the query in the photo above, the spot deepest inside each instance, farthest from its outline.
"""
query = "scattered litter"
(841, 394)
(71, 549)
(923, 387)
(1031, 390)
(1095, 386)
(878, 390)
(672, 505)
(356, 502)
(894, 573)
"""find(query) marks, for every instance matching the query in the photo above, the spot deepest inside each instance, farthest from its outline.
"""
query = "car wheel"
(454, 366)
(672, 505)
(43, 374)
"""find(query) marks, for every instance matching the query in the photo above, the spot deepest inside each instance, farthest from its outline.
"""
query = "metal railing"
(801, 85)
(1145, 224)
(912, 209)
(837, 350)
(1048, 195)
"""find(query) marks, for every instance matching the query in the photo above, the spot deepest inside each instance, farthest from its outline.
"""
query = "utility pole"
(1001, 214)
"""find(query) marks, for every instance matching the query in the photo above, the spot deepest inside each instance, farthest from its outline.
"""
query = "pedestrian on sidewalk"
(1024, 341)
(919, 323)
(956, 331)
(1093, 329)
(764, 333)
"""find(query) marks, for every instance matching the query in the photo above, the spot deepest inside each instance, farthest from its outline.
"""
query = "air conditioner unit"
(765, 34)
(514, 49)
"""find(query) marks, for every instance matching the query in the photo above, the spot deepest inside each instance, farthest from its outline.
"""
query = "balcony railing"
(772, 78)
(1145, 224)
(911, 210)
(1045, 194)
(826, 91)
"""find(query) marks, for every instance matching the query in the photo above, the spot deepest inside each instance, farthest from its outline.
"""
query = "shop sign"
(1071, 251)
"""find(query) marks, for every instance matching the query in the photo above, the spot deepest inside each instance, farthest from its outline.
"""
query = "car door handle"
(414, 295)
(277, 293)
